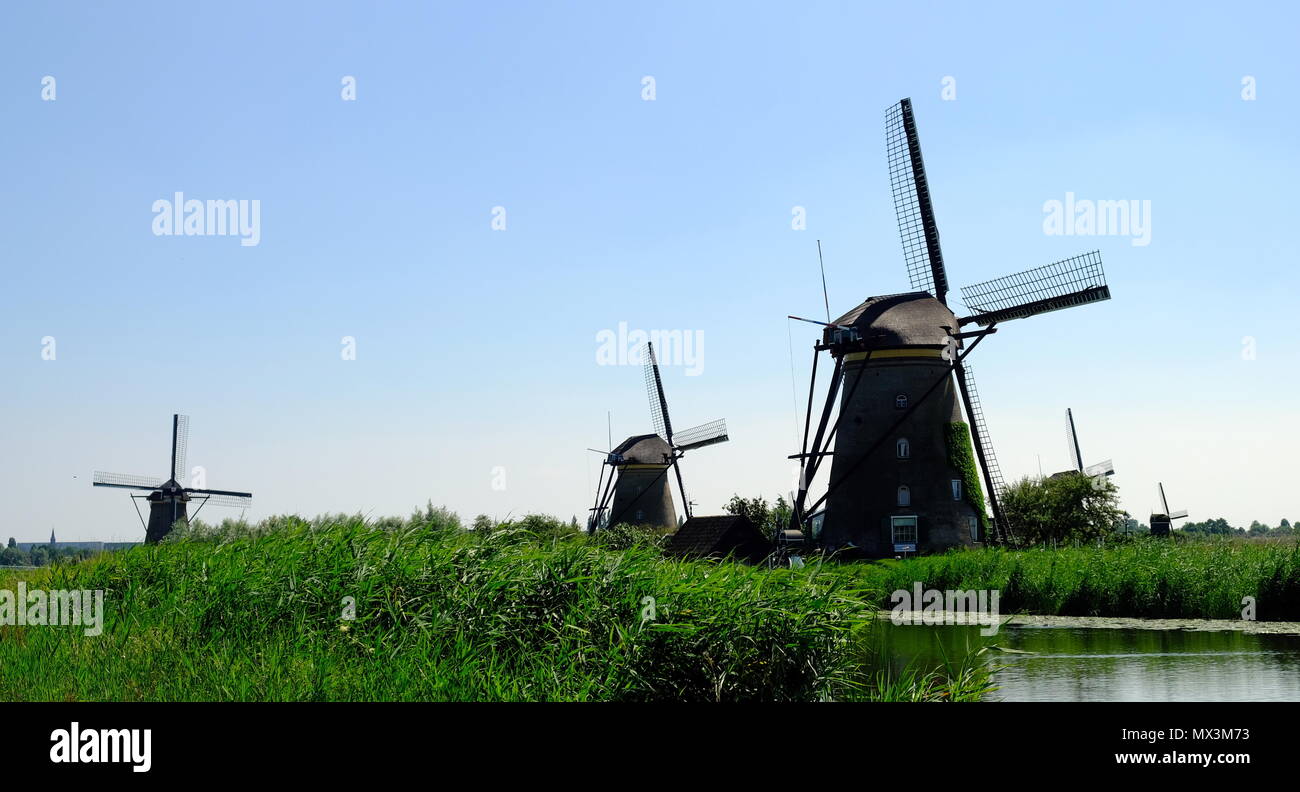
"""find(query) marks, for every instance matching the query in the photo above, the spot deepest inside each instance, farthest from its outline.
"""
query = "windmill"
(1096, 471)
(902, 474)
(633, 484)
(168, 499)
(1162, 523)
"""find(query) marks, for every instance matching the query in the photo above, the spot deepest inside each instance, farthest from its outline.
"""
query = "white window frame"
(900, 401)
(908, 523)
(956, 489)
(903, 448)
(904, 495)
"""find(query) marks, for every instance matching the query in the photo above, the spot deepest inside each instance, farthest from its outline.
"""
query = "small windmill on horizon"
(634, 486)
(168, 500)
(1101, 469)
(1163, 522)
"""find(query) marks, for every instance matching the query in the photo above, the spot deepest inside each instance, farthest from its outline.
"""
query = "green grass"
(1149, 578)
(527, 612)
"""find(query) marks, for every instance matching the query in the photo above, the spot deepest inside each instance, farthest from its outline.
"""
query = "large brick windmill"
(637, 480)
(168, 500)
(903, 478)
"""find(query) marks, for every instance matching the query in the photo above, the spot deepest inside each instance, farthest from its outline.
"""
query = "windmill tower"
(168, 500)
(903, 476)
(1163, 522)
(635, 474)
(1100, 469)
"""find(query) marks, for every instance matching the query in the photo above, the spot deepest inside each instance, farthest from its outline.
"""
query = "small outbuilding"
(718, 537)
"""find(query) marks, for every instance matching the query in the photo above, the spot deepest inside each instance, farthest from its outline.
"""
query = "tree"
(13, 543)
(767, 519)
(1068, 508)
(1214, 527)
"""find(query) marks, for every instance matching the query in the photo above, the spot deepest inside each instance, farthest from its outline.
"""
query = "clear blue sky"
(476, 348)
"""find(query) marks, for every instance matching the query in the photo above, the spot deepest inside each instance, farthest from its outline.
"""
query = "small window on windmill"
(973, 523)
(903, 449)
(816, 521)
(903, 530)
(904, 496)
(956, 489)
(900, 401)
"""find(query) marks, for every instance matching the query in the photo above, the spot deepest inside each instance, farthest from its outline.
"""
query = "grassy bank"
(444, 614)
(1146, 579)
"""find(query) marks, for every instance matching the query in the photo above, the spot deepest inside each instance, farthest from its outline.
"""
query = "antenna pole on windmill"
(825, 296)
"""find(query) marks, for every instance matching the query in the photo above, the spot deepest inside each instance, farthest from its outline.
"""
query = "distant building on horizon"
(97, 547)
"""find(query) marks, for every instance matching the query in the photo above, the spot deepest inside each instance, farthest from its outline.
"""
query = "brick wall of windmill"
(859, 511)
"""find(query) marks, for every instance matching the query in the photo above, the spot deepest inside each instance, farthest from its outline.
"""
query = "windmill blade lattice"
(654, 385)
(125, 480)
(1072, 442)
(702, 435)
(234, 501)
(917, 229)
(180, 448)
(1064, 284)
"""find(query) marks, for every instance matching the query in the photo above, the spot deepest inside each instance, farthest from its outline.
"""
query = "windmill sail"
(1072, 439)
(983, 445)
(1064, 284)
(663, 425)
(1106, 468)
(702, 435)
(917, 229)
(125, 481)
(180, 447)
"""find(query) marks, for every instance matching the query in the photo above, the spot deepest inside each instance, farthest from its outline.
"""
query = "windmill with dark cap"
(168, 500)
(634, 486)
(903, 477)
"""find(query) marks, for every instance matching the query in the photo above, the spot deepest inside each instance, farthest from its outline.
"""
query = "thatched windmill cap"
(647, 449)
(897, 320)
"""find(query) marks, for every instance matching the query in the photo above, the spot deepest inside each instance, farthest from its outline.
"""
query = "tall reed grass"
(342, 608)
(1149, 578)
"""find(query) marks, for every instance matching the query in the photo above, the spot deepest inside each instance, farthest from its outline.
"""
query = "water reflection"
(1104, 664)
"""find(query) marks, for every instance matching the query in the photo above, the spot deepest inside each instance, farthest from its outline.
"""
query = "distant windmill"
(168, 499)
(899, 473)
(1106, 468)
(637, 478)
(1162, 523)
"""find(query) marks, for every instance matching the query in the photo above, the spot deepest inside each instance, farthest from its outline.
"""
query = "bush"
(625, 536)
(1065, 508)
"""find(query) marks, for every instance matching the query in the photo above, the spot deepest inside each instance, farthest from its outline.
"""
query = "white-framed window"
(900, 401)
(904, 496)
(816, 522)
(903, 529)
(903, 449)
(956, 489)
(973, 523)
